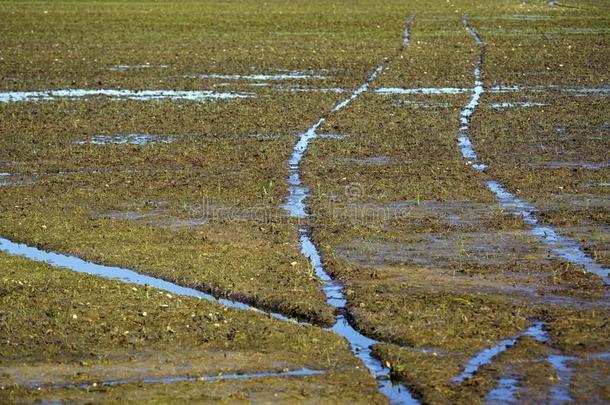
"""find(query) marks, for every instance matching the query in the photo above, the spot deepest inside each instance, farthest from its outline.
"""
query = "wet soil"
(431, 265)
(62, 327)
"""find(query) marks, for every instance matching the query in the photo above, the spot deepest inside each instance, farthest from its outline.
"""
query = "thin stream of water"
(486, 356)
(142, 95)
(118, 273)
(261, 77)
(406, 36)
(561, 246)
(167, 380)
(297, 207)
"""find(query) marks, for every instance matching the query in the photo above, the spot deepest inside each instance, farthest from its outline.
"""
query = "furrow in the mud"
(168, 380)
(561, 246)
(486, 356)
(296, 206)
(117, 273)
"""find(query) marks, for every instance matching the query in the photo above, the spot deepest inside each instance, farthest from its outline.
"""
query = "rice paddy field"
(305, 201)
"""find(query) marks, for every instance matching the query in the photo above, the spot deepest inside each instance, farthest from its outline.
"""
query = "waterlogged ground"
(452, 173)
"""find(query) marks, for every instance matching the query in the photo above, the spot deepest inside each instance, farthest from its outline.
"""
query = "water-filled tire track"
(297, 207)
(563, 247)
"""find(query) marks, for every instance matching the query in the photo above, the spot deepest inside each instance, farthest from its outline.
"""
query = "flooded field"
(305, 202)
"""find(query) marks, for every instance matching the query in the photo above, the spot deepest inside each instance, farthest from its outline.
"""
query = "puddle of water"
(486, 356)
(422, 90)
(143, 95)
(117, 273)
(332, 289)
(126, 215)
(482, 358)
(287, 75)
(256, 84)
(504, 392)
(562, 246)
(537, 332)
(516, 104)
(361, 347)
(472, 32)
(522, 17)
(574, 202)
(600, 90)
(131, 139)
(560, 391)
(122, 68)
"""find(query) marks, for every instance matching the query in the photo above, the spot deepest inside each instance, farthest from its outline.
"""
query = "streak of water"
(422, 90)
(122, 68)
(132, 139)
(406, 37)
(262, 77)
(560, 245)
(364, 87)
(495, 89)
(143, 95)
(485, 356)
(361, 345)
(118, 273)
(523, 104)
(464, 141)
(166, 380)
(296, 207)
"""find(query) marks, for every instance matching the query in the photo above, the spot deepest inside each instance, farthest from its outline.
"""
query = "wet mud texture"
(433, 267)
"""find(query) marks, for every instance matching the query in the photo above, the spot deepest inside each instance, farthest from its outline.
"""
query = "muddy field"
(305, 202)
